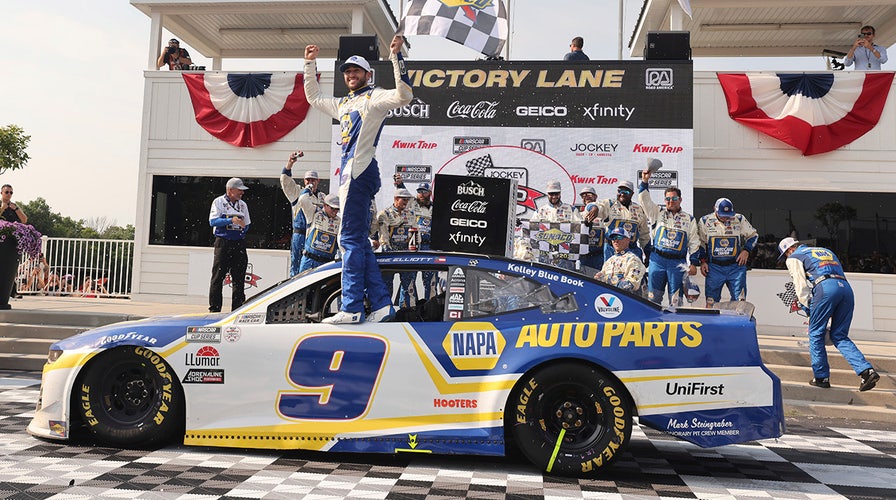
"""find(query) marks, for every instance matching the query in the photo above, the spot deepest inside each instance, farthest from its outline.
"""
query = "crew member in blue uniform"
(294, 194)
(361, 114)
(825, 295)
(323, 228)
(727, 239)
(229, 219)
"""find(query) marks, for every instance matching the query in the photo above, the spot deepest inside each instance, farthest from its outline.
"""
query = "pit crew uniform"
(625, 270)
(676, 242)
(294, 194)
(423, 217)
(822, 290)
(562, 212)
(595, 256)
(722, 241)
(394, 235)
(230, 251)
(320, 242)
(361, 114)
(631, 218)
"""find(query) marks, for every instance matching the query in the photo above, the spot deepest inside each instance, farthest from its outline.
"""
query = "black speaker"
(668, 45)
(365, 46)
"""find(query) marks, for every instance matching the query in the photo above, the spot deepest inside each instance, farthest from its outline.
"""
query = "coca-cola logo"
(482, 110)
(473, 207)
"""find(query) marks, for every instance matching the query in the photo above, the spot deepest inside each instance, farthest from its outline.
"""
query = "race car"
(503, 353)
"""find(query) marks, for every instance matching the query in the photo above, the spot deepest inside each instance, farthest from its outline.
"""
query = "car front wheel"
(130, 397)
(570, 418)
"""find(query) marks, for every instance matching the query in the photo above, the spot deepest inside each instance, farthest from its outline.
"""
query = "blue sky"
(73, 79)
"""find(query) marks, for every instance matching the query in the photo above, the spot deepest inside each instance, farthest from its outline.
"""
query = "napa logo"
(474, 345)
(608, 305)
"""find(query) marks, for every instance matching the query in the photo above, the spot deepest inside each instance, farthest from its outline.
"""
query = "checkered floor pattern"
(825, 463)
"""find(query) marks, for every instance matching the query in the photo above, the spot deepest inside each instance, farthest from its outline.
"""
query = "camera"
(172, 51)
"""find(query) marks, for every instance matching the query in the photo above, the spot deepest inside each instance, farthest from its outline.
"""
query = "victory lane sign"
(474, 214)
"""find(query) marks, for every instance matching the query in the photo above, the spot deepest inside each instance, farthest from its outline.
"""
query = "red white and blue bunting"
(247, 109)
(813, 112)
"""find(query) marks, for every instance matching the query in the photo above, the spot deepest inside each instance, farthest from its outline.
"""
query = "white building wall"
(726, 155)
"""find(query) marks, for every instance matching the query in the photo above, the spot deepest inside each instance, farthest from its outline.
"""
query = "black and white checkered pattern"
(476, 167)
(577, 245)
(838, 461)
(788, 296)
(478, 24)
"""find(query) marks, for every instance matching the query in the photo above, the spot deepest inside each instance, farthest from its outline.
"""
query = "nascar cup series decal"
(608, 305)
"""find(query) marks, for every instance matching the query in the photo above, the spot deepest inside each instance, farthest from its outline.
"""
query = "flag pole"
(621, 10)
(509, 34)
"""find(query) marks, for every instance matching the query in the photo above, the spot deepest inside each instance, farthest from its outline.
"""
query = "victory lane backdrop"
(584, 124)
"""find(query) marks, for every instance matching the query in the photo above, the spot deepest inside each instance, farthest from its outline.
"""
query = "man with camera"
(229, 219)
(864, 53)
(174, 56)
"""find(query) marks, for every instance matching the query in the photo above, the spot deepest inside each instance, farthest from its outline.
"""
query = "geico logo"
(468, 222)
(648, 334)
(541, 111)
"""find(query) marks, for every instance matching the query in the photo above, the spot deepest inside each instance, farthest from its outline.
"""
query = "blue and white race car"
(503, 352)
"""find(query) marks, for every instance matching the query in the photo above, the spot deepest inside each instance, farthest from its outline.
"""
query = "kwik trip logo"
(658, 79)
(470, 188)
(474, 345)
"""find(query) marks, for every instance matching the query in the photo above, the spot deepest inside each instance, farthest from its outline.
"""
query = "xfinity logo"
(481, 110)
(597, 111)
(658, 78)
(541, 111)
(455, 221)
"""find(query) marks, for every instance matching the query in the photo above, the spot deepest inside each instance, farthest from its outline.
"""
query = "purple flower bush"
(27, 238)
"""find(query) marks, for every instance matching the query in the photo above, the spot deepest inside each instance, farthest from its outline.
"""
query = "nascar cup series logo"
(474, 345)
(608, 305)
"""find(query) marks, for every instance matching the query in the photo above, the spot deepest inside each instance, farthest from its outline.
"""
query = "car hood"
(151, 332)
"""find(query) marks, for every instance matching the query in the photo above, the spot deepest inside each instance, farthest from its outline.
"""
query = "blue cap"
(724, 207)
(619, 231)
(423, 186)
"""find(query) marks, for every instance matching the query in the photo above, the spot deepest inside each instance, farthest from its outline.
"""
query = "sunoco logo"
(554, 237)
(658, 79)
(471, 189)
(474, 345)
(608, 305)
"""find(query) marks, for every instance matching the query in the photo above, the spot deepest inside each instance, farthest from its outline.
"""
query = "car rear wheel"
(570, 418)
(129, 397)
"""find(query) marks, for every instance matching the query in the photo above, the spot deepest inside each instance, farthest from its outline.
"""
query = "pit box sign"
(473, 214)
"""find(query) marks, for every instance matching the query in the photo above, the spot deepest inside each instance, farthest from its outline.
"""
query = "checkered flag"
(552, 241)
(788, 297)
(478, 24)
(476, 167)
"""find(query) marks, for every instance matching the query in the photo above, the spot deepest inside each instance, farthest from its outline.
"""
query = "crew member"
(823, 292)
(727, 238)
(360, 114)
(624, 269)
(675, 240)
(229, 218)
(395, 223)
(622, 212)
(320, 243)
(594, 259)
(421, 207)
(294, 194)
(556, 211)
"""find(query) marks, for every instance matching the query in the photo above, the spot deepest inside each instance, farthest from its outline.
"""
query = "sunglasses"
(624, 191)
(672, 198)
(7, 192)
(616, 237)
(867, 33)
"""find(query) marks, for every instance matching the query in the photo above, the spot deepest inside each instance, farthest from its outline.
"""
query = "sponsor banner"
(475, 214)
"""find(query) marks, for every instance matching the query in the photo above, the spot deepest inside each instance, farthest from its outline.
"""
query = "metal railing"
(78, 267)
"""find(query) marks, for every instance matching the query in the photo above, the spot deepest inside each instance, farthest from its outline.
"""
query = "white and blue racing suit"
(723, 241)
(675, 241)
(823, 291)
(394, 237)
(632, 218)
(320, 242)
(360, 114)
(294, 193)
(561, 212)
(423, 215)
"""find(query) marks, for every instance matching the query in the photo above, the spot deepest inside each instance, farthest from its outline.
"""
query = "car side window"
(308, 304)
(491, 292)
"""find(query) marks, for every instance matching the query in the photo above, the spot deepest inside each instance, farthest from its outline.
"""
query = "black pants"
(230, 256)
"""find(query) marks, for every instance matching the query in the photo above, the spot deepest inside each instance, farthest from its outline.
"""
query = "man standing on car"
(824, 294)
(361, 114)
(229, 219)
(675, 240)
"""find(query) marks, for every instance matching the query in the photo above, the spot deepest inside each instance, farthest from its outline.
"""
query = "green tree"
(119, 233)
(13, 143)
(50, 223)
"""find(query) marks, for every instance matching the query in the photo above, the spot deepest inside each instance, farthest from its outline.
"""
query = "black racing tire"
(593, 407)
(130, 397)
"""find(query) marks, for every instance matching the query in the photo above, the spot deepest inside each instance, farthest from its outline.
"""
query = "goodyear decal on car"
(612, 334)
(474, 345)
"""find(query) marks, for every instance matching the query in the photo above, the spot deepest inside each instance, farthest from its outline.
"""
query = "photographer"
(174, 56)
(864, 53)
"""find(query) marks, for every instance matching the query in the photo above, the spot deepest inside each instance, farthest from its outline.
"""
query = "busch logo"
(541, 111)
(480, 110)
(471, 188)
(662, 148)
(473, 207)
(417, 109)
(658, 78)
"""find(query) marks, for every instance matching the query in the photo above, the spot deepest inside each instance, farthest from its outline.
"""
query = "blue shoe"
(381, 315)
